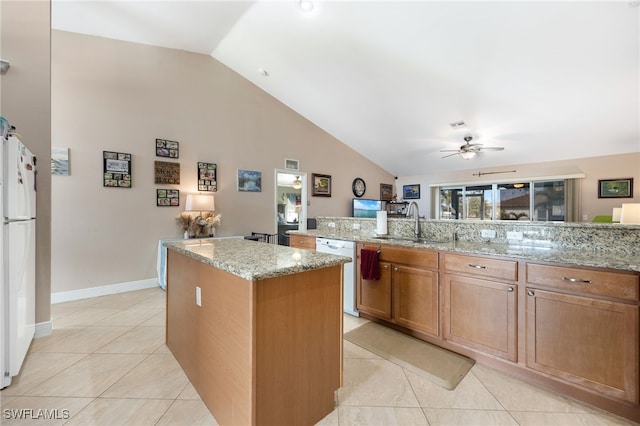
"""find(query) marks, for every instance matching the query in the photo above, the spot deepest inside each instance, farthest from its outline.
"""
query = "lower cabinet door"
(481, 315)
(415, 298)
(374, 296)
(586, 341)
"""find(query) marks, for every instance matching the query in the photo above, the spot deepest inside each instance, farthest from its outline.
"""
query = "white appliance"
(17, 255)
(343, 248)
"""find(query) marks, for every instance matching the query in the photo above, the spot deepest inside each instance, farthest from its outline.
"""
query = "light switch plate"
(514, 236)
(356, 226)
(198, 296)
(331, 224)
(488, 233)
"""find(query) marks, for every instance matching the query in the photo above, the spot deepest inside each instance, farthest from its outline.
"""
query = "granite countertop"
(624, 261)
(254, 260)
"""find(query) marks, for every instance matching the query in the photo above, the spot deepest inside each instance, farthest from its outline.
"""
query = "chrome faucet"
(416, 228)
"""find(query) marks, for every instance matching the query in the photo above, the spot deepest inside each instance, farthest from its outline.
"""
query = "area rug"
(440, 366)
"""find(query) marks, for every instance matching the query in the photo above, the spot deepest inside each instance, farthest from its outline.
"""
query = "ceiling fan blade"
(449, 150)
(492, 148)
(451, 155)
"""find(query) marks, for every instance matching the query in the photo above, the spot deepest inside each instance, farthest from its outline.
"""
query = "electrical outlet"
(488, 233)
(198, 296)
(514, 236)
(356, 226)
(331, 224)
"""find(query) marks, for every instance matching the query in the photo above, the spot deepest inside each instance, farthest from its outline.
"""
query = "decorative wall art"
(167, 197)
(167, 173)
(321, 185)
(386, 192)
(249, 181)
(59, 161)
(290, 164)
(207, 180)
(411, 192)
(615, 188)
(165, 148)
(117, 169)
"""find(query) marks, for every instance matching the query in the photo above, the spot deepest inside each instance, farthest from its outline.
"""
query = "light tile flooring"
(106, 364)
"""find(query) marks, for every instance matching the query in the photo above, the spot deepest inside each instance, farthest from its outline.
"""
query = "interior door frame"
(302, 216)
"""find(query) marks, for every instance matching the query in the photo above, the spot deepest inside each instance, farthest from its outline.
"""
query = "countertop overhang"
(622, 260)
(254, 260)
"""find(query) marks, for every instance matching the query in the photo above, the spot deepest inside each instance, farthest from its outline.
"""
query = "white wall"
(117, 96)
(594, 168)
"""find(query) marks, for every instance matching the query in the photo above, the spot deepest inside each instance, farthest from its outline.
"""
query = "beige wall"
(118, 96)
(26, 102)
(594, 168)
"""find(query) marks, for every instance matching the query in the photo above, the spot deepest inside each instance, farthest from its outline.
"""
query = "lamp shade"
(630, 213)
(617, 211)
(200, 203)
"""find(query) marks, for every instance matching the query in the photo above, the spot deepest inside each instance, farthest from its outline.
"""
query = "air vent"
(458, 125)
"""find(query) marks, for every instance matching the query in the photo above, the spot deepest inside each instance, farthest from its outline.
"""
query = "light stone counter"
(254, 260)
(623, 260)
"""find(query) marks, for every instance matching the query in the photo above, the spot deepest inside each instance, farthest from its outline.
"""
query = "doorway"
(290, 203)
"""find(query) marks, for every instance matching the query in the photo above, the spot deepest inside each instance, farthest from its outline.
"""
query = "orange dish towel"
(369, 264)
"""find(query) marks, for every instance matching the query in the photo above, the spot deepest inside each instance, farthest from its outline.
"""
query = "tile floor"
(106, 364)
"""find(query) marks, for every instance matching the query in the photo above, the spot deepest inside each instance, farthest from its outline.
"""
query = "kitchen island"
(257, 328)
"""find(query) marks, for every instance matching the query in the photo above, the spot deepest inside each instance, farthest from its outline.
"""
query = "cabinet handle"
(385, 267)
(576, 280)
(531, 293)
(395, 269)
(477, 266)
(510, 289)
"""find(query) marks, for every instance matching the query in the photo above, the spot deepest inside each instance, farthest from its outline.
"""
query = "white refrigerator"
(17, 255)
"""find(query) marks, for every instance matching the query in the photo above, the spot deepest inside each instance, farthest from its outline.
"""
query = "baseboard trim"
(87, 293)
(43, 329)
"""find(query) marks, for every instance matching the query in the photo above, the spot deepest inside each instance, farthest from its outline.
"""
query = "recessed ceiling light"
(263, 72)
(306, 6)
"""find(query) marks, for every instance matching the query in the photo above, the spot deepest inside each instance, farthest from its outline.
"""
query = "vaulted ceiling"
(545, 80)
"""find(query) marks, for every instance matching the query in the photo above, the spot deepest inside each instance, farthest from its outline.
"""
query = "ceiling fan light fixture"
(468, 155)
(297, 184)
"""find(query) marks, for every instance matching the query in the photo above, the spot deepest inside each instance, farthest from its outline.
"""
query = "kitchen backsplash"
(588, 236)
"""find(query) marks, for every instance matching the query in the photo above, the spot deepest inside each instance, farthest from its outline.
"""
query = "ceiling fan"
(470, 150)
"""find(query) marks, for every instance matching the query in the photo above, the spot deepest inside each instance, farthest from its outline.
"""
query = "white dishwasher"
(343, 248)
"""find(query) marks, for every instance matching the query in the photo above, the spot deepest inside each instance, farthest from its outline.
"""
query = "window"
(531, 201)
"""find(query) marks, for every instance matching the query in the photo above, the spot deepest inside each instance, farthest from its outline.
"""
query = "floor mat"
(440, 366)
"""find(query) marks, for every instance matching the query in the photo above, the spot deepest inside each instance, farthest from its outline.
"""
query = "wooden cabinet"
(478, 313)
(407, 291)
(586, 339)
(306, 242)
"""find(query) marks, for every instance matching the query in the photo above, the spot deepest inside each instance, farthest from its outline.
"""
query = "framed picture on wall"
(615, 188)
(249, 181)
(411, 192)
(167, 173)
(116, 169)
(167, 197)
(165, 148)
(321, 185)
(207, 177)
(386, 192)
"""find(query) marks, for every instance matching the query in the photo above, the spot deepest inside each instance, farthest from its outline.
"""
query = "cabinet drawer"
(302, 241)
(611, 284)
(410, 256)
(481, 266)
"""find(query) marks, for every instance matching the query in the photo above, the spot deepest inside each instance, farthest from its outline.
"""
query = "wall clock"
(358, 187)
